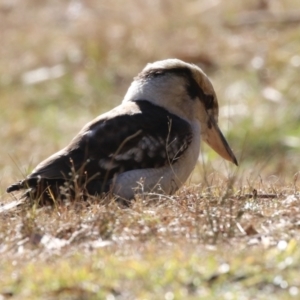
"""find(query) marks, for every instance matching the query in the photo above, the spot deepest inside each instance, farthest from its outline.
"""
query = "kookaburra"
(153, 137)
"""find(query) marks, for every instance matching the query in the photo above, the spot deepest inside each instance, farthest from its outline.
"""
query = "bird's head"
(184, 90)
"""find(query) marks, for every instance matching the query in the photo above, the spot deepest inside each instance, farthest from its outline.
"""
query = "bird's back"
(135, 135)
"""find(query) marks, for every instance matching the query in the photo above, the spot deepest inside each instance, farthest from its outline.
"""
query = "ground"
(229, 233)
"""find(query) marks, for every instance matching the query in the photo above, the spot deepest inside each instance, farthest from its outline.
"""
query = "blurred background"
(62, 63)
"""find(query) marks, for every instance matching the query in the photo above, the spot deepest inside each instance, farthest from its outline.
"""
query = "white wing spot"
(134, 153)
(107, 164)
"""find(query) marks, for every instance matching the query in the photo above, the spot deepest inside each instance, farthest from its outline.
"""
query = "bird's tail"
(15, 187)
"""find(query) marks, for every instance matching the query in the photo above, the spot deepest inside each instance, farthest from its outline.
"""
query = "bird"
(153, 137)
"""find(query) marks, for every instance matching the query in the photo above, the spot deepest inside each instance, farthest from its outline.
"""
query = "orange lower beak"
(216, 140)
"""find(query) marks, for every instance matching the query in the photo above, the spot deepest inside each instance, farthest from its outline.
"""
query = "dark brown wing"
(140, 136)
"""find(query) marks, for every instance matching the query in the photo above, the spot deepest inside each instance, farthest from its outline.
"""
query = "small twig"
(259, 17)
(258, 196)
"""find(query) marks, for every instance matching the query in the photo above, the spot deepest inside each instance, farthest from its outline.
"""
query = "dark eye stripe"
(194, 90)
(208, 101)
(192, 87)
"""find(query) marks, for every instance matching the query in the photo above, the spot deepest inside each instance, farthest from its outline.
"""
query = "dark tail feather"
(46, 191)
(34, 189)
(15, 187)
(23, 185)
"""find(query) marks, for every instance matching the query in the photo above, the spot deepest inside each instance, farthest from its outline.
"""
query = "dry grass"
(201, 242)
(229, 233)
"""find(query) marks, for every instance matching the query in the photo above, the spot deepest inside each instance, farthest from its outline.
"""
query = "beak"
(216, 140)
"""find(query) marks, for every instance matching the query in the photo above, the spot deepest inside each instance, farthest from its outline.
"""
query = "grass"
(229, 233)
(195, 244)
